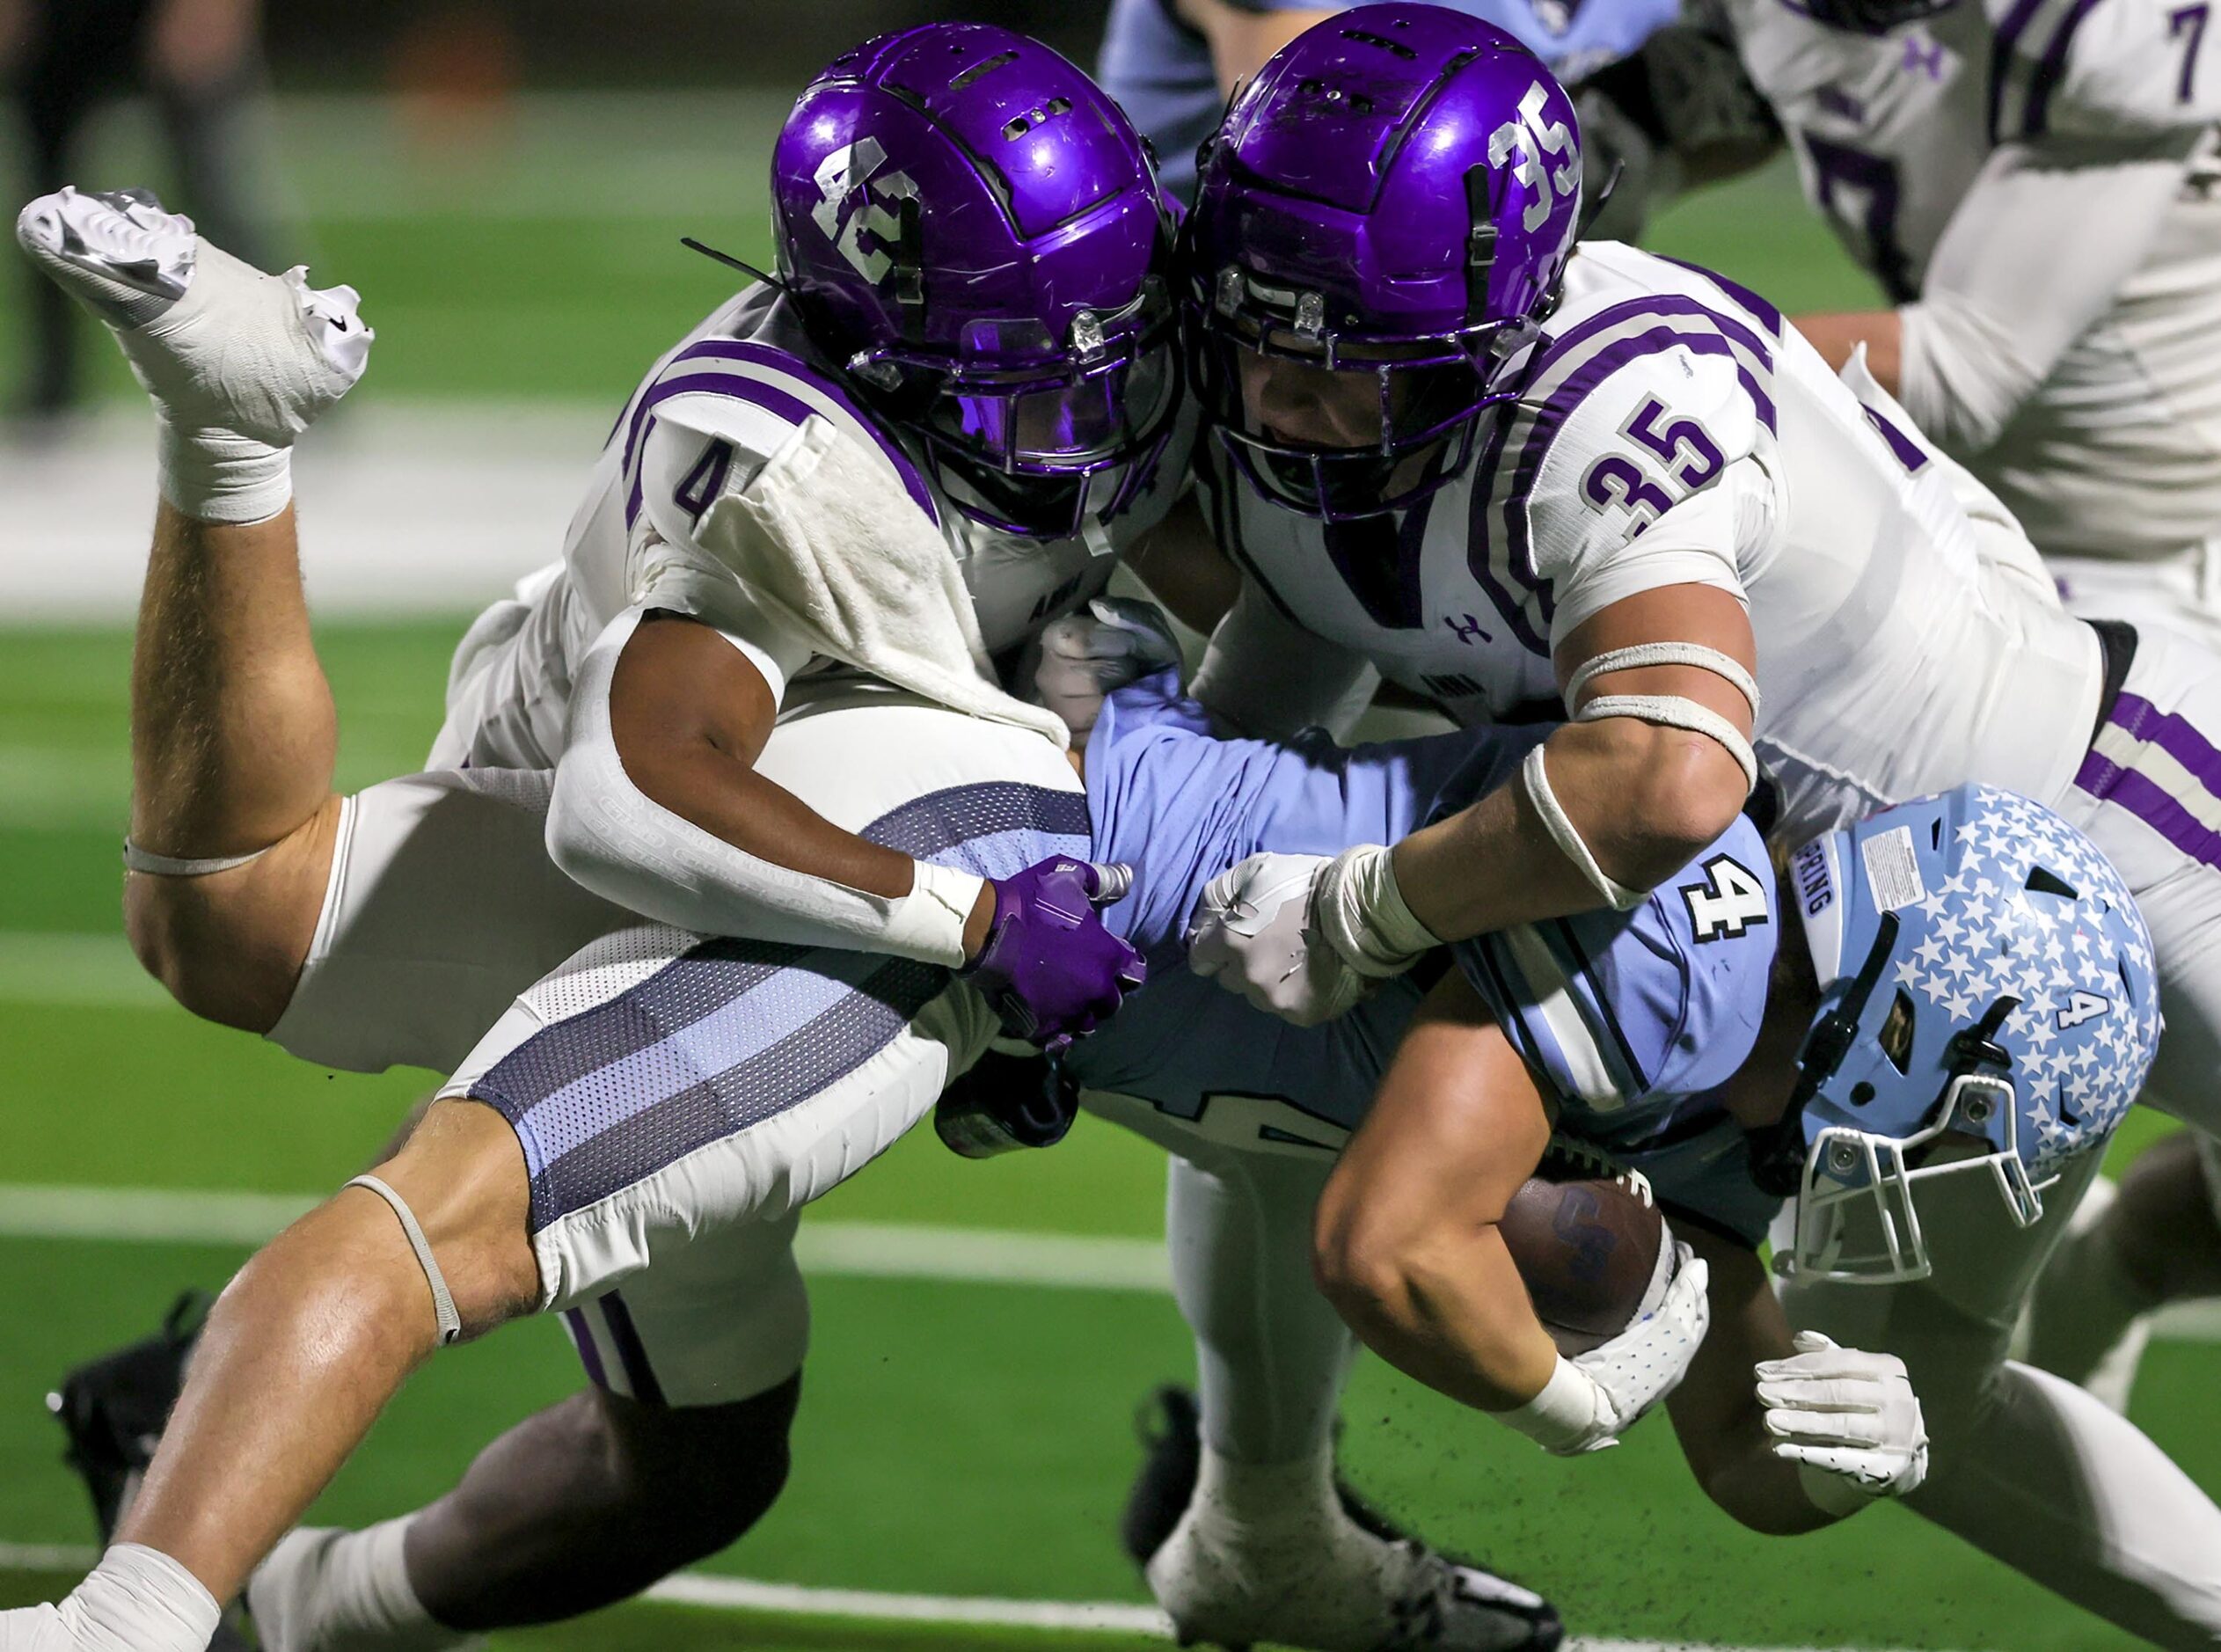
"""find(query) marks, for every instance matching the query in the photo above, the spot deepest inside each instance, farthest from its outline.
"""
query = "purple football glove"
(1050, 968)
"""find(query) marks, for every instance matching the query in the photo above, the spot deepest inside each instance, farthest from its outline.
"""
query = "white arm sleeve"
(2031, 258)
(613, 838)
(1264, 676)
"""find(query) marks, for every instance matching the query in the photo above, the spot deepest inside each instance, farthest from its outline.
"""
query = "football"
(1585, 1236)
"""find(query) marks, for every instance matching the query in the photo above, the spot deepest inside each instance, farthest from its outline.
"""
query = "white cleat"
(1336, 1587)
(220, 345)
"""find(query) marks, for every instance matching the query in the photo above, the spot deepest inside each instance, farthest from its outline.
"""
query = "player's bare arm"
(1409, 1249)
(1407, 1245)
(1641, 796)
(689, 714)
(1992, 317)
(1184, 569)
(1716, 1412)
(1656, 763)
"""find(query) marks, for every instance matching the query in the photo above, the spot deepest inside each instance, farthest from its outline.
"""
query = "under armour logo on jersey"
(850, 172)
(1922, 55)
(1465, 628)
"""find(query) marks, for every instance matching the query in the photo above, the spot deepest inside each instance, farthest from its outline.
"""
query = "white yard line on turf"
(854, 1250)
(80, 971)
(744, 1593)
(866, 1250)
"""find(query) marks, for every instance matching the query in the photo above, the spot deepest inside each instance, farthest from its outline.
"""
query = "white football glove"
(1594, 1398)
(1087, 656)
(1848, 1420)
(1304, 937)
(1250, 932)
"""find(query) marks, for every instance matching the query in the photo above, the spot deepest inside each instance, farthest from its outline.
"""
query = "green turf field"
(959, 1439)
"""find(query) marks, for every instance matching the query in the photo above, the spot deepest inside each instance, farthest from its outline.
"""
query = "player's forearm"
(1837, 335)
(1644, 799)
(658, 808)
(763, 866)
(1763, 1493)
(1444, 1306)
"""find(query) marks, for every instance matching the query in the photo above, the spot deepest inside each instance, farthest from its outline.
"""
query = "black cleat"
(114, 1410)
(1440, 1603)
(1170, 1427)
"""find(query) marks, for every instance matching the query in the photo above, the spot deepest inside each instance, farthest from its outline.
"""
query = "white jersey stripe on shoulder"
(781, 372)
(1587, 1062)
(1567, 370)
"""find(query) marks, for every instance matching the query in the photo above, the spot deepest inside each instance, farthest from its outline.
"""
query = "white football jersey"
(703, 423)
(2117, 451)
(1672, 429)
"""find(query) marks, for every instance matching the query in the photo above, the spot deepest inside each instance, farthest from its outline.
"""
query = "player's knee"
(704, 1474)
(462, 1177)
(229, 945)
(1363, 1256)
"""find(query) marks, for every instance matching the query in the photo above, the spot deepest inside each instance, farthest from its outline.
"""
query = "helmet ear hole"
(1896, 1034)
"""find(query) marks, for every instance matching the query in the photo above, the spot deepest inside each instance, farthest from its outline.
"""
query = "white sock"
(137, 1599)
(1267, 1497)
(324, 1589)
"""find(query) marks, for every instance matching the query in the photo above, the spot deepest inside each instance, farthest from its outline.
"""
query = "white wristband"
(1562, 1418)
(928, 923)
(215, 475)
(1359, 907)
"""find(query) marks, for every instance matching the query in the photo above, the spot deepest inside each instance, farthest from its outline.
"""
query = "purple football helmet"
(1380, 226)
(972, 229)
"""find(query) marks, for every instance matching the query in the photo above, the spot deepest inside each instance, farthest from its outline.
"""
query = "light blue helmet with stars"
(1988, 1008)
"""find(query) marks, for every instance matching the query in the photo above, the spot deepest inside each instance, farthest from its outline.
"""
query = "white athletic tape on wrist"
(1562, 1418)
(928, 923)
(138, 859)
(1568, 837)
(443, 1314)
(1359, 906)
(1645, 654)
(1676, 710)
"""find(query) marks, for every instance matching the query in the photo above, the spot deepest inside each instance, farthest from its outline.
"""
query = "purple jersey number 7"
(2188, 20)
(1841, 169)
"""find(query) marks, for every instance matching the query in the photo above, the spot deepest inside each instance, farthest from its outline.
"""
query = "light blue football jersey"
(1626, 1019)
(1159, 68)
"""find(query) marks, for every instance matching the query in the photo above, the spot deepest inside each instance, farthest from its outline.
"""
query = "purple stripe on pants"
(2145, 798)
(630, 1351)
(589, 1353)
